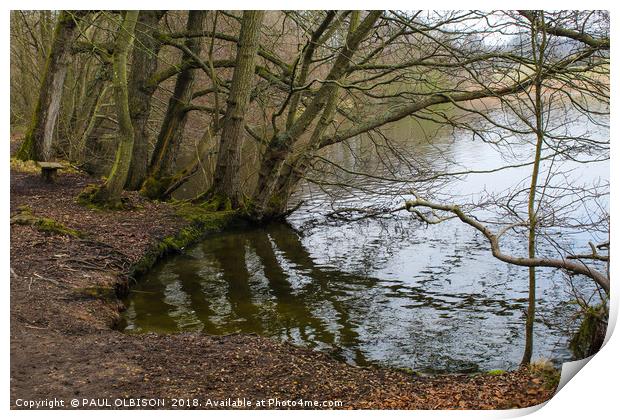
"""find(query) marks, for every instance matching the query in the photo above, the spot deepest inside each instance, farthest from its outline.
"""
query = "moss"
(212, 201)
(24, 209)
(31, 167)
(25, 166)
(201, 222)
(408, 371)
(90, 197)
(496, 372)
(589, 338)
(24, 216)
(275, 202)
(85, 197)
(275, 209)
(202, 213)
(47, 225)
(154, 188)
(151, 188)
(26, 150)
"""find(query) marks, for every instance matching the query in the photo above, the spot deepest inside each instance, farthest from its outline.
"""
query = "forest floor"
(64, 309)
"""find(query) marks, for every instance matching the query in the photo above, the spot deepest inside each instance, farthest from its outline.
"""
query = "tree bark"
(171, 133)
(226, 182)
(293, 171)
(37, 143)
(143, 67)
(110, 192)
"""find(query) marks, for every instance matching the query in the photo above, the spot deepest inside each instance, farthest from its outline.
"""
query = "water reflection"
(267, 281)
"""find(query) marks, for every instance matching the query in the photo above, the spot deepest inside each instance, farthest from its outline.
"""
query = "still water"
(388, 292)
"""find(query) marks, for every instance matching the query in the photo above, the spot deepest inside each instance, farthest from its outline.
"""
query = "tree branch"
(568, 264)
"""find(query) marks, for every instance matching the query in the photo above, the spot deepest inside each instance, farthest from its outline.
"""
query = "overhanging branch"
(568, 264)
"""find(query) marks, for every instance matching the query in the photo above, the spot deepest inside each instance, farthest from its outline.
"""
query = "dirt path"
(64, 307)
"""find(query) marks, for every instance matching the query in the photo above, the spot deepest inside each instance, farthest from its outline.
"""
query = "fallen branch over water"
(566, 263)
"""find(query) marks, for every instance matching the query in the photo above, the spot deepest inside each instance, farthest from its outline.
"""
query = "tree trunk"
(37, 143)
(538, 52)
(161, 168)
(292, 172)
(227, 178)
(185, 174)
(110, 192)
(143, 66)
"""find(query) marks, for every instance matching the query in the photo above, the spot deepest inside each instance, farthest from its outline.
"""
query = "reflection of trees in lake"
(229, 253)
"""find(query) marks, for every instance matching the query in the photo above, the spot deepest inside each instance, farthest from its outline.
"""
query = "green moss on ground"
(32, 167)
(89, 197)
(213, 202)
(408, 371)
(86, 195)
(496, 372)
(44, 224)
(24, 166)
(154, 188)
(201, 222)
(24, 216)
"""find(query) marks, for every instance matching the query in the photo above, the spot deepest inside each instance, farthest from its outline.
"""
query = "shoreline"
(65, 291)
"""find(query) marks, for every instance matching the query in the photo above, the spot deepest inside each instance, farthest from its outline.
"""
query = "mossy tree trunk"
(143, 67)
(226, 183)
(37, 143)
(162, 165)
(110, 192)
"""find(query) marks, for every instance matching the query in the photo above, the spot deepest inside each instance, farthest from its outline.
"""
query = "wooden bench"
(49, 170)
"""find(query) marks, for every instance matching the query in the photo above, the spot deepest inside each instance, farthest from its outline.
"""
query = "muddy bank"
(64, 306)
